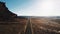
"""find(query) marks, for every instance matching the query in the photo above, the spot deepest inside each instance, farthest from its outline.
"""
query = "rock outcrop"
(5, 14)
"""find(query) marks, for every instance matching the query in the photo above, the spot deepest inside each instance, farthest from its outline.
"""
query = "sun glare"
(43, 8)
(47, 8)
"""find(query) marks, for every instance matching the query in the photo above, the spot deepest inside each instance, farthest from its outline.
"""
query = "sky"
(34, 7)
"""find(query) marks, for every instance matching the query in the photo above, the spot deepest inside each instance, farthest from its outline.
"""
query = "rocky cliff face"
(5, 14)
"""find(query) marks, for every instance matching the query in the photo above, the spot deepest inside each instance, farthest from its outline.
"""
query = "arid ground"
(32, 25)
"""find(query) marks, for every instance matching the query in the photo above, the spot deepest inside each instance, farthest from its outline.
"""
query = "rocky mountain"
(5, 14)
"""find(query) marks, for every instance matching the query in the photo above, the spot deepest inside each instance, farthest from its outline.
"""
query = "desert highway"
(29, 29)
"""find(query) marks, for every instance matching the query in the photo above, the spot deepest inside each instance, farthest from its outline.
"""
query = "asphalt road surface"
(29, 29)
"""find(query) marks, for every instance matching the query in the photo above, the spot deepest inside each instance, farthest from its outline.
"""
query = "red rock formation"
(5, 14)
